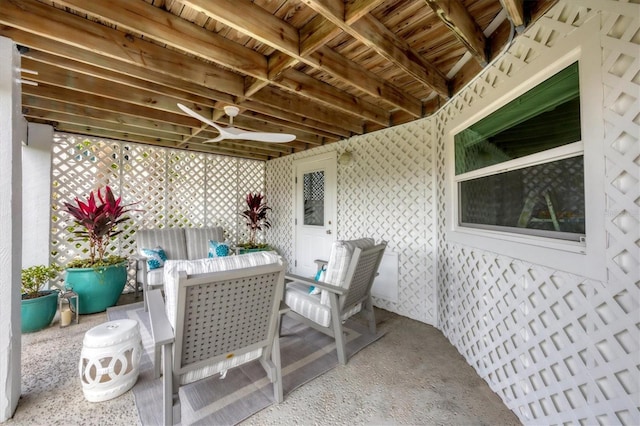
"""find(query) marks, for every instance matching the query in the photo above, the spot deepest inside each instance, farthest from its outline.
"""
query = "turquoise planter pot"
(97, 288)
(253, 250)
(38, 313)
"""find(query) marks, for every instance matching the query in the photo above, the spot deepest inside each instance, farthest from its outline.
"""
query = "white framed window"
(520, 169)
(525, 169)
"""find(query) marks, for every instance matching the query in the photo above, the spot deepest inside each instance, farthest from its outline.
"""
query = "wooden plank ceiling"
(323, 70)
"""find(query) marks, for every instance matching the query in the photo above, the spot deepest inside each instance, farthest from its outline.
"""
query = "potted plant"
(38, 307)
(256, 217)
(100, 279)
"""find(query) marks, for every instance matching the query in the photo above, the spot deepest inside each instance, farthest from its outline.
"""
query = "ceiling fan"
(235, 133)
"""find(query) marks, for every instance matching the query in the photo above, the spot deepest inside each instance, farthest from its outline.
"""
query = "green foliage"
(101, 263)
(256, 215)
(99, 220)
(34, 277)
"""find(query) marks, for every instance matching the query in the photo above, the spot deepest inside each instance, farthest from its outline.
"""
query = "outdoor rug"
(306, 354)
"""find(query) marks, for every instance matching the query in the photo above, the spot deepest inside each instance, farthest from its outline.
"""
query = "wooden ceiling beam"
(128, 79)
(73, 58)
(143, 18)
(137, 52)
(457, 18)
(28, 15)
(58, 52)
(271, 30)
(72, 80)
(515, 10)
(351, 105)
(295, 105)
(125, 89)
(374, 34)
(357, 9)
(63, 94)
(84, 111)
(185, 34)
(116, 135)
(293, 121)
(62, 117)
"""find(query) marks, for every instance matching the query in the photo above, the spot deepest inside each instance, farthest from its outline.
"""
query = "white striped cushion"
(155, 277)
(297, 297)
(197, 240)
(200, 266)
(339, 259)
(220, 367)
(171, 240)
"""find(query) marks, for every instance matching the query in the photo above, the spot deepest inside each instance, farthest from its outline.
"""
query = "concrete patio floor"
(410, 376)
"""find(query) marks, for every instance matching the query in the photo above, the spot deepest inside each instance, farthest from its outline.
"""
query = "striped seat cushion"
(199, 266)
(155, 277)
(297, 297)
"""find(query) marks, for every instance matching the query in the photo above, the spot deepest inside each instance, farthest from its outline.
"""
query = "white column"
(12, 133)
(36, 186)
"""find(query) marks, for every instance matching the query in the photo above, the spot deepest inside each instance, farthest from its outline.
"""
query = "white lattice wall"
(385, 193)
(174, 188)
(558, 348)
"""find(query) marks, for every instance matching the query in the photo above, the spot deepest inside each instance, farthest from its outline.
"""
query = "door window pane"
(313, 193)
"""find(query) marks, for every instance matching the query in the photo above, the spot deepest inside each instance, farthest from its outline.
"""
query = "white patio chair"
(345, 291)
(223, 320)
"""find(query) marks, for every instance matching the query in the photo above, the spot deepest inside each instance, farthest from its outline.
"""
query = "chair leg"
(371, 316)
(168, 396)
(157, 352)
(275, 356)
(145, 291)
(337, 329)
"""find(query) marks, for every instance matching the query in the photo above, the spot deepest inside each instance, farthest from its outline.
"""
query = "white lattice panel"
(557, 348)
(385, 193)
(281, 197)
(173, 188)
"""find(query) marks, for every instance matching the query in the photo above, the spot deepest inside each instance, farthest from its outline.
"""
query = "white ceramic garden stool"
(110, 359)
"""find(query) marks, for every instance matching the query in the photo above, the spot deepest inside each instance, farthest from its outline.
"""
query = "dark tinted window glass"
(541, 198)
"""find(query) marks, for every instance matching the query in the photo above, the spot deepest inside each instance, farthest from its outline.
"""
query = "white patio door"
(315, 211)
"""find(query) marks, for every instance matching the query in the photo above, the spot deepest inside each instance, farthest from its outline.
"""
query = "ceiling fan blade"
(200, 117)
(235, 133)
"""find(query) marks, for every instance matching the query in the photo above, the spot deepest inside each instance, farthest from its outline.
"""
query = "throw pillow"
(218, 249)
(155, 257)
(319, 277)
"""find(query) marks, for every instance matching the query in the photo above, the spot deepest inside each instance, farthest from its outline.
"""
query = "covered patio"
(548, 322)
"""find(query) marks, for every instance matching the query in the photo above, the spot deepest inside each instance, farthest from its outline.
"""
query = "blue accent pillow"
(319, 277)
(218, 249)
(156, 257)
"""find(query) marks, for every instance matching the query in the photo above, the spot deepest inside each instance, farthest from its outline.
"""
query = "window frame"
(586, 257)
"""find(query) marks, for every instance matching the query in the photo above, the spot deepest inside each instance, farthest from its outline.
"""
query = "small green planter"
(252, 250)
(97, 288)
(37, 313)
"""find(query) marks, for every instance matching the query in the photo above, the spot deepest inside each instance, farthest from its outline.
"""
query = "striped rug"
(306, 354)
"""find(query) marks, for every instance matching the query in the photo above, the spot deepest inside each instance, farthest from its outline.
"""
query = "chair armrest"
(161, 329)
(318, 284)
(321, 263)
(141, 262)
(284, 308)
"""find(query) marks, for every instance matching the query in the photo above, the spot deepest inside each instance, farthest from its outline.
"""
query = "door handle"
(328, 231)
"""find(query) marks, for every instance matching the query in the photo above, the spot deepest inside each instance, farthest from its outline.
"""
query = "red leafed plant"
(100, 219)
(256, 215)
